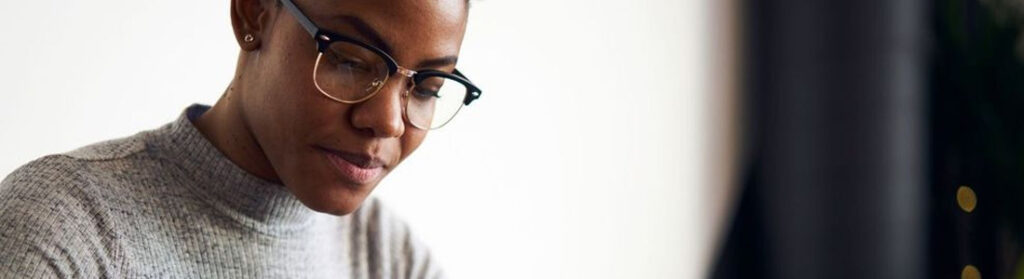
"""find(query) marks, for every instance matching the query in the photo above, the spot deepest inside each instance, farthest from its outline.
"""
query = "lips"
(356, 168)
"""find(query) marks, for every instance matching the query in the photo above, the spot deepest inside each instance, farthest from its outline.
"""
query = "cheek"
(411, 140)
(284, 80)
(301, 119)
(289, 96)
(278, 107)
(285, 111)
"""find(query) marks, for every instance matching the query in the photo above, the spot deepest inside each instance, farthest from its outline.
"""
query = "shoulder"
(42, 181)
(67, 170)
(111, 149)
(65, 183)
(42, 210)
(394, 242)
(53, 211)
(37, 194)
(58, 175)
(60, 186)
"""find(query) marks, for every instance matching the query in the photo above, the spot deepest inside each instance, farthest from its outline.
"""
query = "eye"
(352, 64)
(347, 62)
(424, 92)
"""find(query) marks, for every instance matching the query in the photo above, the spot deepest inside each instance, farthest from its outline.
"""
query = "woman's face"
(332, 155)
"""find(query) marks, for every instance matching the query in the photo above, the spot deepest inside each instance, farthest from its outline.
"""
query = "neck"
(226, 127)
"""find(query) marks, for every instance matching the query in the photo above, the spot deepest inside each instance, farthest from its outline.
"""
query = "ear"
(248, 18)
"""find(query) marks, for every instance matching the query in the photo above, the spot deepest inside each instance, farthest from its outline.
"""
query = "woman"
(270, 182)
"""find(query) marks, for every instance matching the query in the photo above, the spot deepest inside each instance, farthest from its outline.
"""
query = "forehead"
(410, 27)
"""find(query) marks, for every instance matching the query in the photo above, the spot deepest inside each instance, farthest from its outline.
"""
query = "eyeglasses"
(350, 71)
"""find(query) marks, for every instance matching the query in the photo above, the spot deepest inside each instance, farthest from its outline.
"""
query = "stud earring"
(248, 38)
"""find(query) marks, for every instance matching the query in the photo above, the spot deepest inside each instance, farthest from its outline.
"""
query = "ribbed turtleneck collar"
(264, 205)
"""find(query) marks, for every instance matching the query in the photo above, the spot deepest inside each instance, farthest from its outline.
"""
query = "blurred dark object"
(882, 139)
(977, 136)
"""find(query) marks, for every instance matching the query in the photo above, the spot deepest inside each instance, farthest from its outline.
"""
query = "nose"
(381, 115)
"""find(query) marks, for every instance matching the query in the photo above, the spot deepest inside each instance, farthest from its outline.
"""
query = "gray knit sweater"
(166, 203)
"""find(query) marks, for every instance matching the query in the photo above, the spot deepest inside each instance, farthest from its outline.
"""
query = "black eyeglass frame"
(325, 38)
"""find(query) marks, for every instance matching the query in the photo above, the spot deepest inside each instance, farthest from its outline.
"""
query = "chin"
(338, 210)
(333, 208)
(337, 201)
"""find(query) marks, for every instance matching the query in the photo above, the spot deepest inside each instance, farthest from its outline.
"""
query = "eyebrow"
(437, 62)
(365, 30)
(375, 38)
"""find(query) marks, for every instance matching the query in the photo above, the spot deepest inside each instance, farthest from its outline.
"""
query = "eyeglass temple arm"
(474, 92)
(301, 17)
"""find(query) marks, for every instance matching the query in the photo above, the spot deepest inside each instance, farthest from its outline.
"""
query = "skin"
(271, 120)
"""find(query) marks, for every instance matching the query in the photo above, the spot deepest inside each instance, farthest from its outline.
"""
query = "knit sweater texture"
(166, 203)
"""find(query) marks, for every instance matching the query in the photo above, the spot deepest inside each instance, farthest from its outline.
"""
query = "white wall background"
(584, 158)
